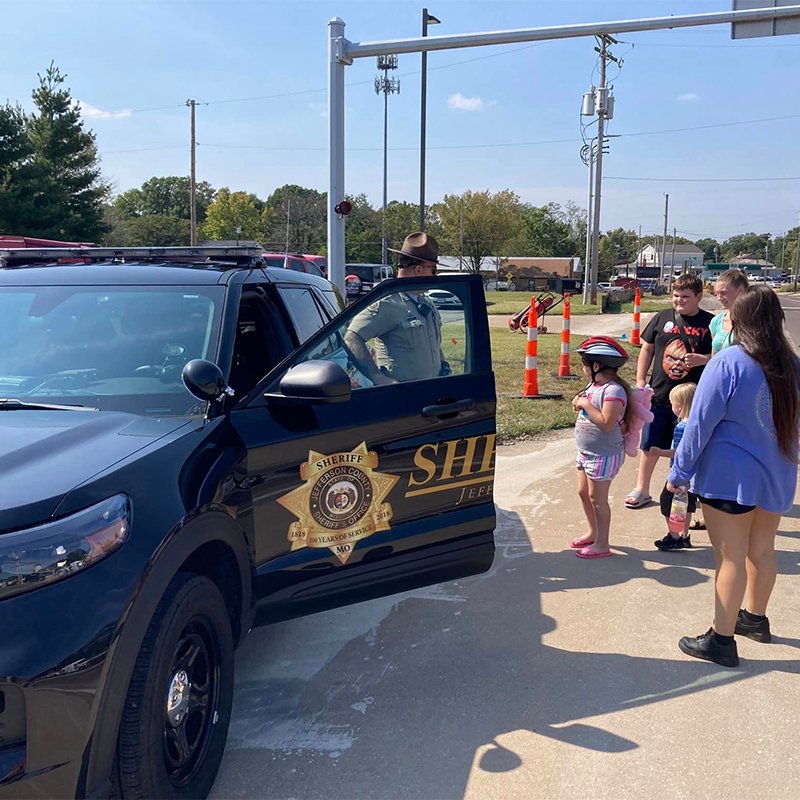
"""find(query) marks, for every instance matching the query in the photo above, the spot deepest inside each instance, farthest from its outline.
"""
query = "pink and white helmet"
(603, 350)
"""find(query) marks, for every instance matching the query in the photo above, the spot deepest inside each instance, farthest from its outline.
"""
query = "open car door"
(357, 489)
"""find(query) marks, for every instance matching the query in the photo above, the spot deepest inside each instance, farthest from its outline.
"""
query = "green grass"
(511, 302)
(523, 419)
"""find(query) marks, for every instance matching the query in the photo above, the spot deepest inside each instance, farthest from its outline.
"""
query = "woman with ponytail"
(739, 454)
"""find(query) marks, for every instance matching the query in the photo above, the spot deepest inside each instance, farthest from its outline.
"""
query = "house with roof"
(684, 258)
(522, 273)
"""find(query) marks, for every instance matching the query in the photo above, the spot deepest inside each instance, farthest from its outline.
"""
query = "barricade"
(563, 362)
(636, 340)
(530, 389)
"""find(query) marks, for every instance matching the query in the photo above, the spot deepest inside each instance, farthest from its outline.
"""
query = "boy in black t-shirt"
(677, 344)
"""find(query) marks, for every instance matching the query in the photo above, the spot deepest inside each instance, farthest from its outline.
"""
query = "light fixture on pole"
(427, 19)
(386, 86)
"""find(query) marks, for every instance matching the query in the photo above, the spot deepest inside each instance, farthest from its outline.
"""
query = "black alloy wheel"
(178, 707)
(191, 701)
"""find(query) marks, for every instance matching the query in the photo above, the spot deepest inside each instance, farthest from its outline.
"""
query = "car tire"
(178, 706)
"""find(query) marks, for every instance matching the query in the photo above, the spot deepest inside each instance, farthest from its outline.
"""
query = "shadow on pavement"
(407, 706)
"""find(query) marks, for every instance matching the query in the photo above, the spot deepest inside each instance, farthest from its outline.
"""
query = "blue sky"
(132, 56)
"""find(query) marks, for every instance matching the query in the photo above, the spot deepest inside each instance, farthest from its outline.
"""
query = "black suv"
(188, 448)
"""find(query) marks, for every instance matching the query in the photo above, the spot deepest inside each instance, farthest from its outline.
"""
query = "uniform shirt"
(589, 438)
(674, 336)
(730, 448)
(407, 339)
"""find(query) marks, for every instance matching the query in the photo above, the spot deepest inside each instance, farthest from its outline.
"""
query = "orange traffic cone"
(637, 308)
(563, 362)
(530, 388)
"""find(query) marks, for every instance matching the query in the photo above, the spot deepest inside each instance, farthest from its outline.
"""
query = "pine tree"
(16, 195)
(69, 187)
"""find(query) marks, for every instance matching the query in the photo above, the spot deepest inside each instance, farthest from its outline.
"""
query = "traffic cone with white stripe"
(563, 362)
(530, 388)
(637, 316)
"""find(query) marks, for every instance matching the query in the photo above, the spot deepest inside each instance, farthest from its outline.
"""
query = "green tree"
(16, 195)
(710, 248)
(308, 215)
(616, 247)
(169, 196)
(362, 232)
(237, 209)
(548, 231)
(402, 218)
(754, 244)
(152, 230)
(491, 221)
(69, 189)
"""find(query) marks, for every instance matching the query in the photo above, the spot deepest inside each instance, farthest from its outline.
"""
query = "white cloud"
(458, 102)
(688, 96)
(320, 108)
(89, 111)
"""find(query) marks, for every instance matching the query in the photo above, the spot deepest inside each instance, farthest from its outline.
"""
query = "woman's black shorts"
(727, 506)
(666, 502)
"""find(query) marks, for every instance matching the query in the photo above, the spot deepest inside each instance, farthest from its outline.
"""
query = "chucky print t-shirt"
(674, 336)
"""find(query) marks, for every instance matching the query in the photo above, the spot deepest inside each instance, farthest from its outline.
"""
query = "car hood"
(45, 454)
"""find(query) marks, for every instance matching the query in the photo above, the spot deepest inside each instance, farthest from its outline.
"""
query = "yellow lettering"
(451, 458)
(488, 452)
(424, 464)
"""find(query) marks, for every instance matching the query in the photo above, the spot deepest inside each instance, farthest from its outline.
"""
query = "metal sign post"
(342, 52)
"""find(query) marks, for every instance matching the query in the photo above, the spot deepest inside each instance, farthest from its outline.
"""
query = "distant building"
(521, 273)
(687, 258)
(753, 267)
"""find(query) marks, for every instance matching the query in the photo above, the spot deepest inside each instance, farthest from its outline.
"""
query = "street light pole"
(427, 19)
(588, 260)
(387, 86)
(664, 240)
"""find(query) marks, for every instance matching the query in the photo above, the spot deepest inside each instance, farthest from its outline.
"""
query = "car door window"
(303, 309)
(296, 264)
(400, 337)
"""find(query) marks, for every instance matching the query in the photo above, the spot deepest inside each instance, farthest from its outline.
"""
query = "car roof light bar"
(116, 253)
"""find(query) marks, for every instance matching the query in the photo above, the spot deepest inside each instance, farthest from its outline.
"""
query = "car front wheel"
(178, 707)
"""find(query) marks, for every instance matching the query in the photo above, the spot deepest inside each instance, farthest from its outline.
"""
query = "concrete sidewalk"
(548, 677)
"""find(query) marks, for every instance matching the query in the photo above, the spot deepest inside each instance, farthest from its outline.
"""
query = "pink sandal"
(587, 553)
(580, 542)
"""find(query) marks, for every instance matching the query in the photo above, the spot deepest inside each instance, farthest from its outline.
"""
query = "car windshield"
(275, 261)
(119, 348)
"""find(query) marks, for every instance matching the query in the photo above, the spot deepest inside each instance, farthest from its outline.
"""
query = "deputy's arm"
(360, 353)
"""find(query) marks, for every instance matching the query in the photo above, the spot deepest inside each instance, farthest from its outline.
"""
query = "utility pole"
(672, 261)
(636, 263)
(783, 250)
(386, 86)
(461, 236)
(427, 19)
(288, 213)
(797, 260)
(602, 113)
(193, 200)
(664, 240)
(590, 155)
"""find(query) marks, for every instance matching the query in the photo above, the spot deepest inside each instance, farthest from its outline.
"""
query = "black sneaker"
(687, 541)
(707, 647)
(758, 631)
(670, 543)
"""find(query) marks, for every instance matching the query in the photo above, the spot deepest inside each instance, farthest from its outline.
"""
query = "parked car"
(189, 449)
(293, 262)
(362, 278)
(444, 299)
(320, 262)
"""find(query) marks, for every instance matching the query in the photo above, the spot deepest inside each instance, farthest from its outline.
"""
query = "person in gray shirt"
(406, 327)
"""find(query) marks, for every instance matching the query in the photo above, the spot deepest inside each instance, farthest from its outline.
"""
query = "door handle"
(445, 409)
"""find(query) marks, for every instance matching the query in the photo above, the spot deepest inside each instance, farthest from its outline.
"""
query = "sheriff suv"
(188, 448)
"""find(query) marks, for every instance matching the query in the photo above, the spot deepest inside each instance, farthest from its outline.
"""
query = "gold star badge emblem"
(341, 501)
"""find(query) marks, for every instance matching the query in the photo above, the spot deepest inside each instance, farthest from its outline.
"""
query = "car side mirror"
(204, 379)
(314, 382)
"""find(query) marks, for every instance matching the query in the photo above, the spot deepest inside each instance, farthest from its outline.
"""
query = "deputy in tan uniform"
(406, 326)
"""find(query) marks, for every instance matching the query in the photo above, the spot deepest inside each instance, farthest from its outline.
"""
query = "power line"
(699, 180)
(144, 149)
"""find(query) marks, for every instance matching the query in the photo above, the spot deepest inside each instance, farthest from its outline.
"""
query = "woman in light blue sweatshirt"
(739, 453)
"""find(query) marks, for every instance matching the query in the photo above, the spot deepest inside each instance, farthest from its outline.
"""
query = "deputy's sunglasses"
(420, 263)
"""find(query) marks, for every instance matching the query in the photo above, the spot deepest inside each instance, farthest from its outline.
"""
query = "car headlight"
(48, 553)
